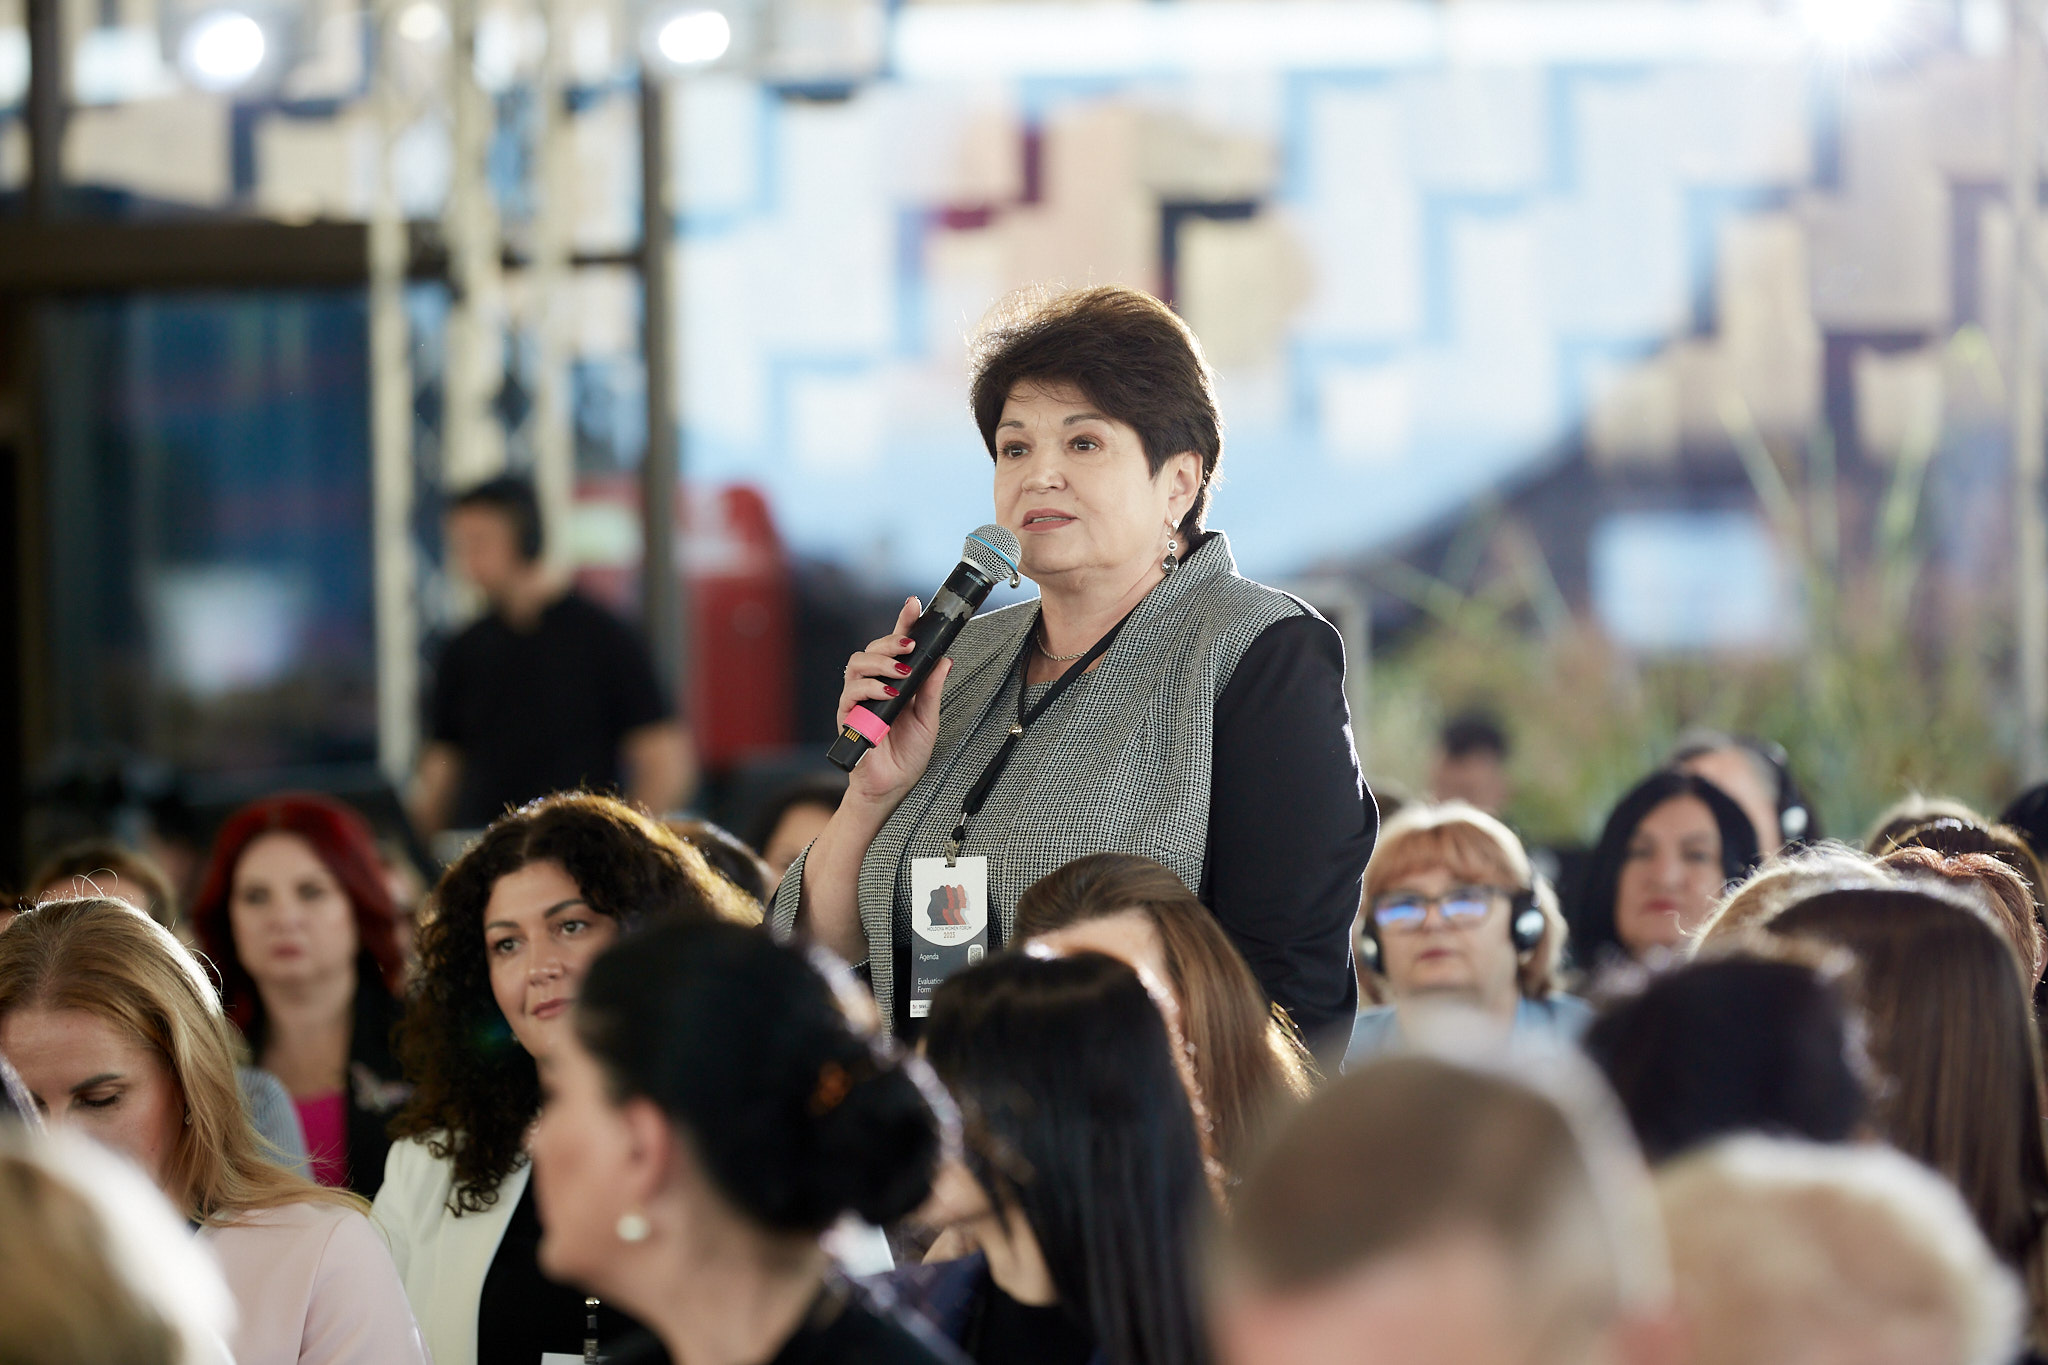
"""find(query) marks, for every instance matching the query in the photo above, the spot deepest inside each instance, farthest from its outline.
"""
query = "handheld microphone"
(990, 555)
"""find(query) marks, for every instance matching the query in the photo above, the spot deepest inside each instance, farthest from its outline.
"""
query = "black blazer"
(377, 1088)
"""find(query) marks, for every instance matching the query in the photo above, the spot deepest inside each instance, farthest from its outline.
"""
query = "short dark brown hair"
(1127, 353)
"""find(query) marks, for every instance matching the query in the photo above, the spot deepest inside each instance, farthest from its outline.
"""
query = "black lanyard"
(970, 805)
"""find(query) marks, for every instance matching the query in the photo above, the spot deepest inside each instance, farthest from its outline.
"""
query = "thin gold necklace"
(1039, 640)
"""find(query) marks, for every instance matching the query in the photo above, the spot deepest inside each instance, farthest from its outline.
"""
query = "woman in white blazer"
(118, 1034)
(518, 920)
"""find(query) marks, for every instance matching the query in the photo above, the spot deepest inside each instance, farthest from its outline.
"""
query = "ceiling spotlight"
(694, 38)
(1853, 28)
(223, 49)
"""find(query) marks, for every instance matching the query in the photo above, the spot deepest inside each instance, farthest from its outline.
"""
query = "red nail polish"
(906, 642)
(890, 690)
(904, 669)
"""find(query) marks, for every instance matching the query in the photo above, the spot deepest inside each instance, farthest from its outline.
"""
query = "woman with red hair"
(296, 916)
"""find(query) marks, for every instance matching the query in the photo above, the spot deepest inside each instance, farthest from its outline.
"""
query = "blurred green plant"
(1885, 695)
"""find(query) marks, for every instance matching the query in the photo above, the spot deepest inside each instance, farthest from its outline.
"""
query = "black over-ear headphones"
(1795, 821)
(1526, 924)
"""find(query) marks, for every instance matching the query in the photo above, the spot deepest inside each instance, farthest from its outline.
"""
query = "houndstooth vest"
(1121, 763)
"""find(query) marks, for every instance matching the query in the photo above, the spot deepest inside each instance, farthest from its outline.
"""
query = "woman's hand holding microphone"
(893, 766)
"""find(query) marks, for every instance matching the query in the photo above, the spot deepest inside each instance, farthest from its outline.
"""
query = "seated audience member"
(1248, 1062)
(1761, 1039)
(519, 919)
(1758, 776)
(1907, 814)
(1471, 763)
(295, 914)
(1081, 1179)
(1669, 850)
(2005, 894)
(106, 867)
(1454, 913)
(103, 868)
(1787, 879)
(1420, 1211)
(95, 1268)
(792, 817)
(1783, 1253)
(713, 1111)
(118, 1034)
(728, 857)
(1953, 838)
(1951, 1032)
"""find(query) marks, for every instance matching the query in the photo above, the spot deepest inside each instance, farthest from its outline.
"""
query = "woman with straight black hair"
(714, 1110)
(1083, 1179)
(1670, 847)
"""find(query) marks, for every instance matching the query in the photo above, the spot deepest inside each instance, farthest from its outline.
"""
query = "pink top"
(325, 1119)
(314, 1285)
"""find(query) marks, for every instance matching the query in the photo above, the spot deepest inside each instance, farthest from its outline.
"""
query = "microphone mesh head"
(995, 551)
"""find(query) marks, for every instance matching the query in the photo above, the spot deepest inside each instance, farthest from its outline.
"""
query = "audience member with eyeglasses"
(1454, 914)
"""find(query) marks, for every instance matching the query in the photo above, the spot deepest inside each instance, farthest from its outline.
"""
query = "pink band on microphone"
(872, 727)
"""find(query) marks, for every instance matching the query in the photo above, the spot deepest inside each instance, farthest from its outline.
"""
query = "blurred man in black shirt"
(546, 691)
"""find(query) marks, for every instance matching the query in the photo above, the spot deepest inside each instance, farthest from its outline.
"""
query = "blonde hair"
(1527, 1147)
(1791, 1252)
(108, 959)
(1473, 847)
(94, 1265)
(1783, 881)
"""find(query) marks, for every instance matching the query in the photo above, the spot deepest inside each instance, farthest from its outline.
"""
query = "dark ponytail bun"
(878, 1148)
(798, 1116)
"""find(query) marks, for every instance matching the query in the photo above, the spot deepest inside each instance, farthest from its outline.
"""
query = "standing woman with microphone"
(1150, 701)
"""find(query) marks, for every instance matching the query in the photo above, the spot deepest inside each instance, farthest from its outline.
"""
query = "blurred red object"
(739, 699)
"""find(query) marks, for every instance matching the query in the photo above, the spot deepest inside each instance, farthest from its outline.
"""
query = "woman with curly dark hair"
(517, 921)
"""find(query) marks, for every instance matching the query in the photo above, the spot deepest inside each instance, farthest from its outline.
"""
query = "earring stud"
(633, 1227)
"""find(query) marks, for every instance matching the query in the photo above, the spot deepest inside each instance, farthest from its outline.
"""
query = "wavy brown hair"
(1248, 1058)
(476, 1088)
(2005, 894)
(108, 959)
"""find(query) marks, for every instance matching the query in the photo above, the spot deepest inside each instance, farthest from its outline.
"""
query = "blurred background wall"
(1611, 365)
